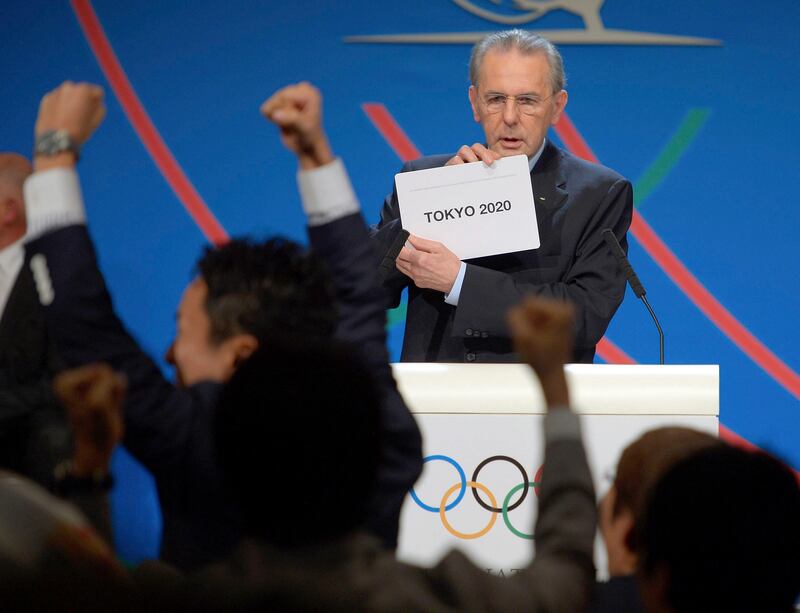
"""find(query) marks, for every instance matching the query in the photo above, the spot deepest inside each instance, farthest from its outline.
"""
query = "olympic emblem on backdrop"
(479, 490)
(520, 12)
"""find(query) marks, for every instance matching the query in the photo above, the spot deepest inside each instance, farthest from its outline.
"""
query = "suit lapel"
(549, 186)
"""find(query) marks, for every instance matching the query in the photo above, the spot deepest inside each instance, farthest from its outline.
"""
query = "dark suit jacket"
(617, 595)
(34, 435)
(169, 429)
(575, 201)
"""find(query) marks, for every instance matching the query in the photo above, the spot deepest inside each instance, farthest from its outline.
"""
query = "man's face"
(12, 204)
(509, 73)
(193, 353)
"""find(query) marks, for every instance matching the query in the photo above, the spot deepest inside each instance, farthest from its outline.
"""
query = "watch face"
(54, 142)
(61, 140)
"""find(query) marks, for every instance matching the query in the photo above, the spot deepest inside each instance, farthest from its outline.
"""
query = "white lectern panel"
(470, 413)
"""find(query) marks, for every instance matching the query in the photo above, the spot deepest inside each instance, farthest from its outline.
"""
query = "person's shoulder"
(575, 166)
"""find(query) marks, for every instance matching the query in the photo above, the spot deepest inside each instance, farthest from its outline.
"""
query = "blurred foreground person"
(245, 294)
(640, 466)
(721, 532)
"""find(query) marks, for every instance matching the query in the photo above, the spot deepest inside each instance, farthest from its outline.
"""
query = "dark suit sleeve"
(346, 248)
(593, 282)
(85, 328)
(383, 234)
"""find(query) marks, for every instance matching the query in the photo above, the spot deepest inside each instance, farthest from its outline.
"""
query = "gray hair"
(526, 43)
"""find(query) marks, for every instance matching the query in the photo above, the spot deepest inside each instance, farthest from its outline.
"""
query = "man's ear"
(627, 527)
(240, 347)
(473, 101)
(561, 103)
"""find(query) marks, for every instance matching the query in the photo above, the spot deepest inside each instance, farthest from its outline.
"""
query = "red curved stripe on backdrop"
(391, 131)
(688, 283)
(730, 437)
(142, 124)
(611, 354)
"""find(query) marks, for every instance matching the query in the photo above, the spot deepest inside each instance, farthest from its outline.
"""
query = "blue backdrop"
(707, 133)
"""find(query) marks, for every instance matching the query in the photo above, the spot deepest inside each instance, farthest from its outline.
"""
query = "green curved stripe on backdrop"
(396, 315)
(653, 177)
(670, 154)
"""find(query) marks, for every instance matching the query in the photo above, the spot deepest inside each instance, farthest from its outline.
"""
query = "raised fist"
(77, 108)
(297, 111)
(542, 331)
(92, 396)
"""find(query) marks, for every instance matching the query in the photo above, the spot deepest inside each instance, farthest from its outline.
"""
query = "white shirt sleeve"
(53, 200)
(326, 193)
(455, 292)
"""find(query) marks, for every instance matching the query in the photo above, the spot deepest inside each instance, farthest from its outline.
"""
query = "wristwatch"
(54, 142)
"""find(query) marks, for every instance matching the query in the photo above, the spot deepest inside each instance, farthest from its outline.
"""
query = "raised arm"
(562, 573)
(92, 397)
(339, 235)
(77, 305)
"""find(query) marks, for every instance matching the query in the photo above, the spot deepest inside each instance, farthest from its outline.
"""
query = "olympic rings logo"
(461, 487)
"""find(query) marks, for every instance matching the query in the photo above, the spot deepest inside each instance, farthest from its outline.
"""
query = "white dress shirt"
(11, 259)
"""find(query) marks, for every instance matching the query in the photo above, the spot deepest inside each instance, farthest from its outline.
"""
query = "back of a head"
(298, 435)
(645, 461)
(265, 288)
(721, 532)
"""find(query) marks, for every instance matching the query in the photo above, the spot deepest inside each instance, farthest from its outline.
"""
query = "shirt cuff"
(326, 193)
(452, 296)
(53, 200)
(560, 424)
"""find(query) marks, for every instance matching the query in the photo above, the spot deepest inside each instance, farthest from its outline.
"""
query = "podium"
(482, 423)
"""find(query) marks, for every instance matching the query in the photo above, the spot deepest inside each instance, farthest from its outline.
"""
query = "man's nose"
(510, 111)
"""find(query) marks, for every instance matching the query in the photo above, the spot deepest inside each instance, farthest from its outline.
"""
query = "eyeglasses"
(527, 104)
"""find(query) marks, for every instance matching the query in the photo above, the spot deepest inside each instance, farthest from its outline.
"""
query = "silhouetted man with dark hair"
(260, 287)
(722, 533)
(245, 293)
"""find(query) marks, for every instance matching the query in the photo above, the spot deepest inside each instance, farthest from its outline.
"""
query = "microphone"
(387, 263)
(635, 283)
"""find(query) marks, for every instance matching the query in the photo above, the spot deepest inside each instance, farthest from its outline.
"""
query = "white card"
(475, 210)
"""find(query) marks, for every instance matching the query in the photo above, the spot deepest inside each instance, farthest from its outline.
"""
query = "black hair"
(724, 527)
(263, 288)
(298, 437)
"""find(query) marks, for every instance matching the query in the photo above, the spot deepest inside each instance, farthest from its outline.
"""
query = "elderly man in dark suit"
(456, 309)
